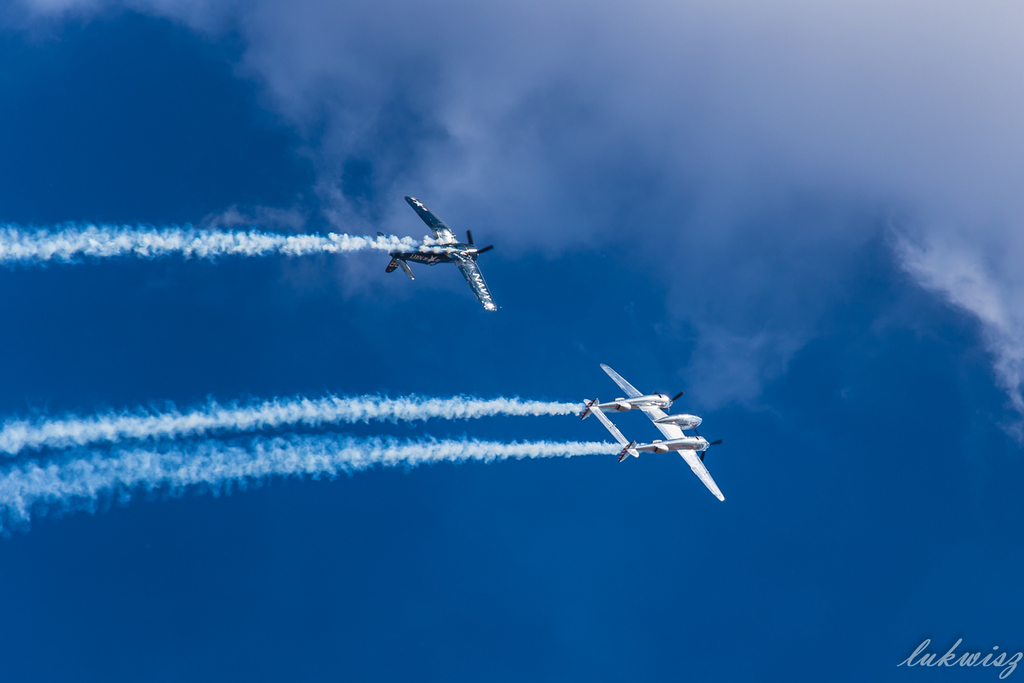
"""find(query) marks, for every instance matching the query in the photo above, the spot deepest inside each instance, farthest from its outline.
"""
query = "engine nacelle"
(683, 421)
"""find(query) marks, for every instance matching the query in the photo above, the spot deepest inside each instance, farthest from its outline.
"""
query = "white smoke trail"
(88, 482)
(72, 241)
(17, 435)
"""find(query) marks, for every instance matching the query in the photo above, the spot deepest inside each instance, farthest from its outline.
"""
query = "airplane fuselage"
(431, 256)
(647, 401)
(684, 421)
(686, 443)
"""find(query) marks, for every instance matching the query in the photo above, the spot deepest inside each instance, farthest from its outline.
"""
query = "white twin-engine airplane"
(692, 448)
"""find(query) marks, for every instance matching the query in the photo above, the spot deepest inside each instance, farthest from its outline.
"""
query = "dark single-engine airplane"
(692, 448)
(447, 249)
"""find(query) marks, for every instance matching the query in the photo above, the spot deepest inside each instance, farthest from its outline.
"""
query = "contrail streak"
(85, 483)
(17, 434)
(72, 241)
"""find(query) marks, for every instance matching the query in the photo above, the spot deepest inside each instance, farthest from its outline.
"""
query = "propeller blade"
(487, 248)
(469, 236)
(676, 397)
(713, 443)
(695, 431)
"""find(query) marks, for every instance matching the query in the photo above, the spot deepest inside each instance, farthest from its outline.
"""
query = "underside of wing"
(442, 232)
(471, 271)
(631, 392)
(669, 430)
(693, 460)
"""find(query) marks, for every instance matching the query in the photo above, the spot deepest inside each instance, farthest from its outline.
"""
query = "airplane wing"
(442, 232)
(631, 392)
(691, 457)
(693, 460)
(652, 412)
(471, 271)
(670, 431)
(610, 427)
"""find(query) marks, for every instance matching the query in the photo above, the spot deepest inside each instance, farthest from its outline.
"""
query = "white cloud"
(977, 283)
(692, 127)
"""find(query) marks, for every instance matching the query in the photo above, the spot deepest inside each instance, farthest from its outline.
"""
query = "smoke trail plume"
(72, 241)
(87, 482)
(17, 435)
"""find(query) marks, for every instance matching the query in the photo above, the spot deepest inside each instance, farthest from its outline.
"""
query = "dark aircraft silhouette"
(447, 249)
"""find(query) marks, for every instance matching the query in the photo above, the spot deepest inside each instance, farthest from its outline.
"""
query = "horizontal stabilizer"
(399, 263)
(612, 429)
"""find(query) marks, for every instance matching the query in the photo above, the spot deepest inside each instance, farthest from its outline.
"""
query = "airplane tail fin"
(588, 409)
(629, 450)
(396, 263)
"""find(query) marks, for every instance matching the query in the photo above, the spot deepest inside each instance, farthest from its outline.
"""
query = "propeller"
(674, 398)
(713, 443)
(469, 240)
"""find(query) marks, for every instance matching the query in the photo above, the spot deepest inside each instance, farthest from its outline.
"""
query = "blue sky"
(806, 220)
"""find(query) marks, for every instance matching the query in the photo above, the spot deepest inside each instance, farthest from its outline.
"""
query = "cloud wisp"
(71, 242)
(87, 482)
(961, 274)
(17, 434)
